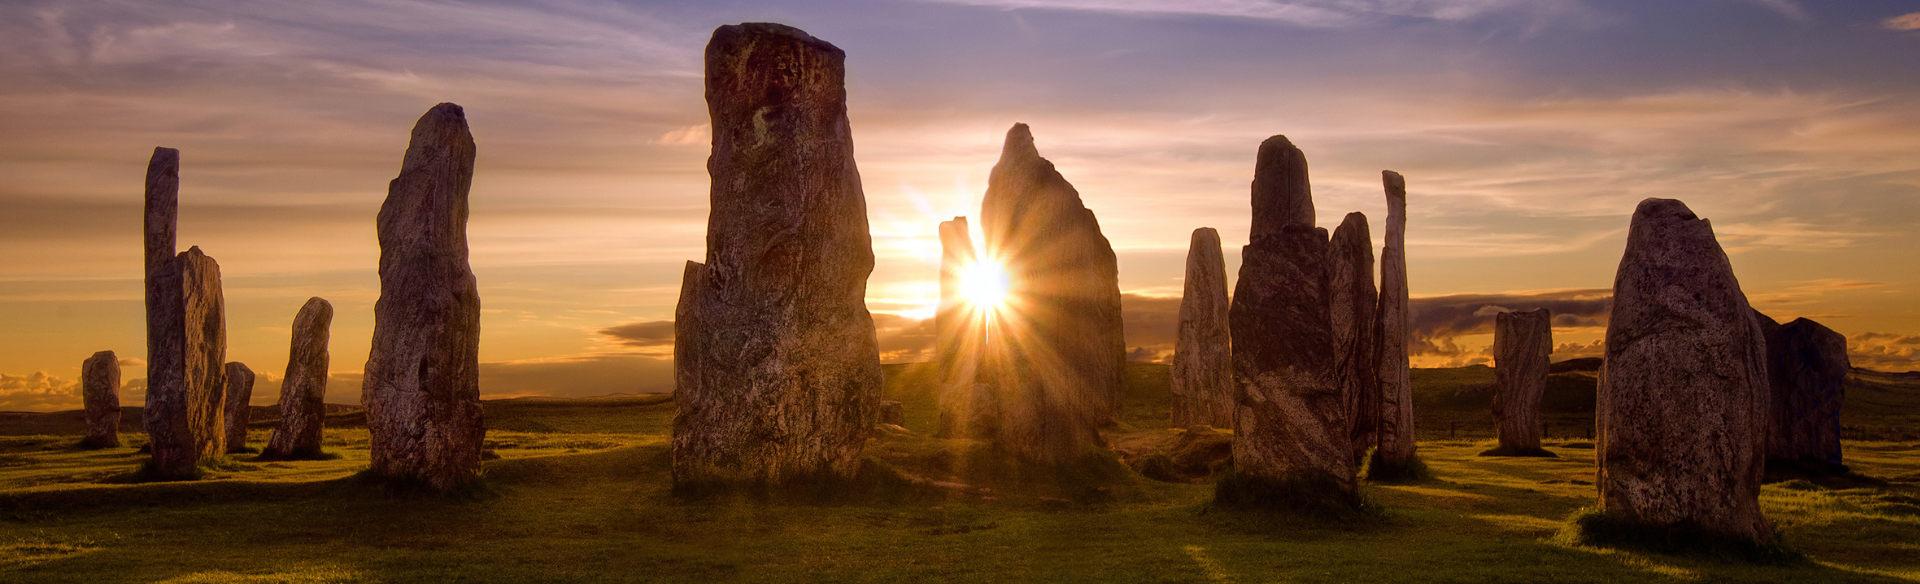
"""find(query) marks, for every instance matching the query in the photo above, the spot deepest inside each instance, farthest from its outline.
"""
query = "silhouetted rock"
(1291, 424)
(965, 409)
(1683, 394)
(1352, 304)
(422, 386)
(1807, 369)
(1522, 344)
(303, 392)
(239, 411)
(1395, 425)
(893, 412)
(1058, 358)
(1202, 351)
(100, 393)
(787, 378)
(1281, 194)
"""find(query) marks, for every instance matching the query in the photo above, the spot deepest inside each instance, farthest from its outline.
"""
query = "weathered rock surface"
(1059, 357)
(1202, 353)
(966, 411)
(1281, 193)
(1522, 345)
(1352, 302)
(422, 386)
(1395, 425)
(100, 393)
(185, 421)
(786, 378)
(1683, 393)
(1291, 425)
(303, 392)
(1807, 369)
(238, 409)
(165, 416)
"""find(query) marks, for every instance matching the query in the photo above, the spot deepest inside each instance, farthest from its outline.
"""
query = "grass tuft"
(302, 454)
(1280, 503)
(476, 489)
(1589, 526)
(1379, 470)
(874, 483)
(1504, 450)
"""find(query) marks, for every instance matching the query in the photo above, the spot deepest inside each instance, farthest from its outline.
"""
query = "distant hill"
(519, 414)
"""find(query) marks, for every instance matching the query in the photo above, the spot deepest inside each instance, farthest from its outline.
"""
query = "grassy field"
(579, 493)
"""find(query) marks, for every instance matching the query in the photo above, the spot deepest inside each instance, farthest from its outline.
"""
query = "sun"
(984, 285)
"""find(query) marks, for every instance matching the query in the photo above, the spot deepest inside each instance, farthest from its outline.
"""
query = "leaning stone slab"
(1522, 345)
(239, 410)
(100, 393)
(422, 386)
(1353, 304)
(303, 392)
(1202, 369)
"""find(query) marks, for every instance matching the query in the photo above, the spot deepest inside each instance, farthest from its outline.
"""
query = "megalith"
(1290, 427)
(303, 392)
(100, 395)
(966, 408)
(1202, 369)
(1352, 303)
(1394, 427)
(1683, 390)
(1058, 355)
(785, 379)
(1522, 343)
(422, 380)
(239, 409)
(1807, 369)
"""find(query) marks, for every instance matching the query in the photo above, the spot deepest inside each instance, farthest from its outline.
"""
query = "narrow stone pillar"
(303, 392)
(100, 393)
(1353, 303)
(239, 409)
(1397, 445)
(1522, 345)
(1202, 351)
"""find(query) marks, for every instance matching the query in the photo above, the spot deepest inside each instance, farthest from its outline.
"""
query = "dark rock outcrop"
(238, 409)
(1683, 393)
(1395, 425)
(1202, 371)
(1058, 359)
(1352, 305)
(1807, 369)
(1522, 346)
(422, 386)
(100, 393)
(303, 392)
(784, 383)
(966, 408)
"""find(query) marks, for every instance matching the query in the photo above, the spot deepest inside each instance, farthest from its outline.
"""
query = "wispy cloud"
(1904, 22)
(1313, 13)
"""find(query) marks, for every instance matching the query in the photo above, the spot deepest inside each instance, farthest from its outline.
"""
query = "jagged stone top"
(1396, 185)
(1282, 194)
(730, 33)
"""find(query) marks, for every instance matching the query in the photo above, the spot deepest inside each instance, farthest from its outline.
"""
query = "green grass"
(585, 496)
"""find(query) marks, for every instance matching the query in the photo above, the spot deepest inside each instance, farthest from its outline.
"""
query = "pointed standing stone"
(1281, 193)
(422, 386)
(1683, 391)
(966, 410)
(1202, 350)
(100, 392)
(1290, 427)
(1353, 303)
(239, 409)
(1807, 369)
(1395, 429)
(1522, 343)
(303, 392)
(785, 379)
(165, 414)
(1059, 356)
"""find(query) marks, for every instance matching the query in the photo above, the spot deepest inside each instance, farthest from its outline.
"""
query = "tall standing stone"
(239, 407)
(1522, 343)
(1683, 391)
(787, 383)
(1202, 350)
(100, 393)
(1353, 303)
(1059, 356)
(1395, 430)
(1281, 193)
(1290, 425)
(966, 409)
(303, 392)
(1807, 369)
(165, 414)
(422, 387)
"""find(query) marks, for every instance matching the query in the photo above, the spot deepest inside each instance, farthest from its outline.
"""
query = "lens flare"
(984, 285)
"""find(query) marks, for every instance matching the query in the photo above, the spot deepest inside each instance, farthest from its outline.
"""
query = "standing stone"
(185, 420)
(1807, 369)
(303, 392)
(422, 387)
(1059, 356)
(786, 382)
(100, 392)
(1683, 391)
(1202, 350)
(1281, 193)
(1352, 304)
(1522, 343)
(966, 409)
(239, 409)
(1395, 429)
(1290, 425)
(165, 414)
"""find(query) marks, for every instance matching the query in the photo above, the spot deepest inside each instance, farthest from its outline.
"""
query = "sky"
(1527, 130)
